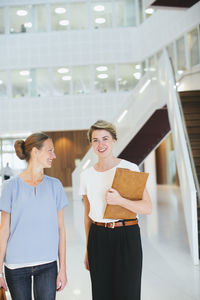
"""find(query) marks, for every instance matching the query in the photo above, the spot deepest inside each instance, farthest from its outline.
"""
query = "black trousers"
(115, 260)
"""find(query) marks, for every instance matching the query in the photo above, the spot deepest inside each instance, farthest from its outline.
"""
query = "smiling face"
(102, 143)
(45, 155)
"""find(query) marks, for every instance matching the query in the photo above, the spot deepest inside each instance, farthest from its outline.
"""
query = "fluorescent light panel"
(144, 86)
(122, 116)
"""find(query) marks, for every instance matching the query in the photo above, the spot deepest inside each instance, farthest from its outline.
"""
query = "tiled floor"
(168, 272)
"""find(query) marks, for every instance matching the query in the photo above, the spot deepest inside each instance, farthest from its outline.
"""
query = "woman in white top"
(113, 255)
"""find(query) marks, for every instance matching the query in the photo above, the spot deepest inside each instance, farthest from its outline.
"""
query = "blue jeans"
(19, 282)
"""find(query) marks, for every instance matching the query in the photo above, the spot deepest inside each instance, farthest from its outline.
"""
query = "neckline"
(32, 186)
(108, 169)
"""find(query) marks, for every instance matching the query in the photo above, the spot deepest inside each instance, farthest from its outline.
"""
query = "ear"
(34, 151)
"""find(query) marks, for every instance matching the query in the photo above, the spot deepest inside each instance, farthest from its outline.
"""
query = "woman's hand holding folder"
(113, 197)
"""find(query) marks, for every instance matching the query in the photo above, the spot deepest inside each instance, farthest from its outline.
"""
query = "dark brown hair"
(23, 148)
(102, 125)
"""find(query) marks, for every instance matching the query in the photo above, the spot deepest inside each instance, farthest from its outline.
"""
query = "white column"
(7, 20)
(150, 167)
(48, 14)
(152, 220)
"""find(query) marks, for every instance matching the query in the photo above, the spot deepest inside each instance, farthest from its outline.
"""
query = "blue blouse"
(34, 233)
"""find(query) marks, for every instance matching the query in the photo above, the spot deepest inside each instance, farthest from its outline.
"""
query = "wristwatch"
(1, 275)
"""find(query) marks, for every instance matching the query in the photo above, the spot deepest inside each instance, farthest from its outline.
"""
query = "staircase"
(190, 101)
(173, 3)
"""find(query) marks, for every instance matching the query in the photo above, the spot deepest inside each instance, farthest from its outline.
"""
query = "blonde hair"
(102, 125)
(23, 148)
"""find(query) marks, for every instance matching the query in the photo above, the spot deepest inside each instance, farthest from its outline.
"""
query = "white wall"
(190, 80)
(63, 113)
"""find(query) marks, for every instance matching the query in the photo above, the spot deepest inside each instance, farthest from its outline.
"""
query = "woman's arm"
(4, 235)
(143, 206)
(88, 223)
(62, 276)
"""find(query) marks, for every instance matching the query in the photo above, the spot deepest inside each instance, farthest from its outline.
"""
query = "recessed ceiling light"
(99, 8)
(64, 22)
(60, 10)
(28, 25)
(138, 67)
(137, 75)
(102, 68)
(63, 70)
(21, 12)
(180, 72)
(24, 73)
(149, 11)
(1, 81)
(100, 20)
(66, 78)
(102, 76)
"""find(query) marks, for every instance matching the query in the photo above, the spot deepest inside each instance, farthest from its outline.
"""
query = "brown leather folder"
(2, 294)
(130, 185)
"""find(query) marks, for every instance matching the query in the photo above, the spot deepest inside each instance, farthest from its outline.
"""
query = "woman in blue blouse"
(32, 232)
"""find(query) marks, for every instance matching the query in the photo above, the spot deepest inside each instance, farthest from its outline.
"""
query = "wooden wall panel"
(69, 145)
(161, 161)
